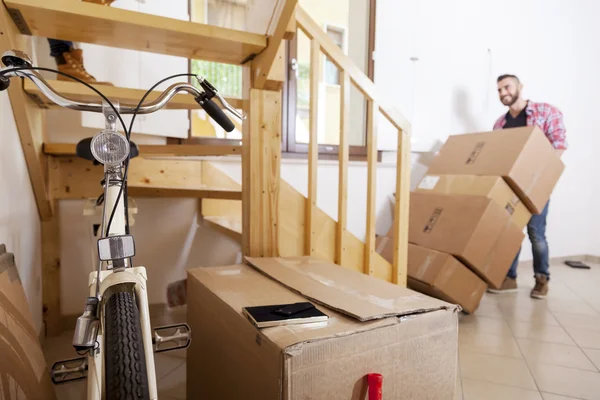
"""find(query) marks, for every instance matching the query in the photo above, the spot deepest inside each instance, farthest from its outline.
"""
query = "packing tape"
(424, 266)
(445, 276)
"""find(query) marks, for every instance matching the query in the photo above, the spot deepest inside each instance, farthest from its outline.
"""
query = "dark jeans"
(58, 47)
(536, 228)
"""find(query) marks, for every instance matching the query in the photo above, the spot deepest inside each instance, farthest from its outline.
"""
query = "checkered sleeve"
(555, 130)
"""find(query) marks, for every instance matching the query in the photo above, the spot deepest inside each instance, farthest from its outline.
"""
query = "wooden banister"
(351, 74)
(371, 185)
(343, 156)
(343, 62)
(313, 147)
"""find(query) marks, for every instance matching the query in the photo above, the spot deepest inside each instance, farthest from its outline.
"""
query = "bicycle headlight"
(110, 147)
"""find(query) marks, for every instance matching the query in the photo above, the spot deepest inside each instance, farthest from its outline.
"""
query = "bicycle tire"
(126, 377)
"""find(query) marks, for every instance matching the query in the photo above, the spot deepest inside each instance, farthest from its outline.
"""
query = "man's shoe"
(508, 286)
(540, 290)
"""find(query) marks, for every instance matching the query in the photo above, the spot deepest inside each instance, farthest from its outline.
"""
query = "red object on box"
(375, 386)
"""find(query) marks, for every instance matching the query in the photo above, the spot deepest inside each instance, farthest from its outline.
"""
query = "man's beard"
(513, 99)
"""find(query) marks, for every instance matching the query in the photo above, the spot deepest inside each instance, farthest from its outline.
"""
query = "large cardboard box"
(22, 365)
(492, 187)
(474, 229)
(374, 327)
(523, 156)
(442, 276)
(438, 274)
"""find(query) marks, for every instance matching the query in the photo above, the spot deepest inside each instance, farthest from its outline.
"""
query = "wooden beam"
(401, 211)
(343, 62)
(29, 120)
(68, 149)
(90, 23)
(140, 191)
(260, 169)
(313, 149)
(125, 96)
(290, 31)
(276, 75)
(343, 156)
(263, 63)
(372, 117)
(51, 247)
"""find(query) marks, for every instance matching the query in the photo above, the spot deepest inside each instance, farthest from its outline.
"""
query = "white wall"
(19, 221)
(460, 47)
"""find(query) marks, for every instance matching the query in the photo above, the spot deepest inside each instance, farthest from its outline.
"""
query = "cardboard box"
(442, 276)
(474, 229)
(23, 363)
(523, 156)
(492, 187)
(438, 274)
(374, 326)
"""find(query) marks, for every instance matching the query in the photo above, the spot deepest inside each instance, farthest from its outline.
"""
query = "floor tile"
(555, 354)
(594, 355)
(549, 396)
(495, 369)
(489, 310)
(478, 390)
(502, 345)
(572, 307)
(476, 323)
(567, 381)
(577, 321)
(173, 385)
(585, 337)
(165, 363)
(540, 332)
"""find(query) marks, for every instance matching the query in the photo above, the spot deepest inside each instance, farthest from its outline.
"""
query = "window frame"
(293, 149)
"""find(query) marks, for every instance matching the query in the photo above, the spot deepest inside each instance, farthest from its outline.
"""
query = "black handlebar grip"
(4, 83)
(216, 113)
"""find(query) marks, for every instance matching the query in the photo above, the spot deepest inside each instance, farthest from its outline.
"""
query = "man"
(549, 119)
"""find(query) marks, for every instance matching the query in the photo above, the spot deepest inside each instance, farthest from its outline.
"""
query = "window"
(332, 74)
(350, 24)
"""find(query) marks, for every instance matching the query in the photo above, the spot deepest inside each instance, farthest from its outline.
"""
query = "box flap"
(349, 292)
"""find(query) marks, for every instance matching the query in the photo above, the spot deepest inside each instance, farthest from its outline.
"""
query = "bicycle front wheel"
(125, 361)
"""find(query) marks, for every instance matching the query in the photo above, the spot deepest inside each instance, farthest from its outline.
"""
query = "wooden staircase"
(226, 217)
(267, 215)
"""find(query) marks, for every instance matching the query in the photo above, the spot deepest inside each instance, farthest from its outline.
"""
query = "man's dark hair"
(502, 77)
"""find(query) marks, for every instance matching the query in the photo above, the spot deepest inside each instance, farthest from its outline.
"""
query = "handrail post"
(401, 210)
(313, 149)
(343, 156)
(372, 117)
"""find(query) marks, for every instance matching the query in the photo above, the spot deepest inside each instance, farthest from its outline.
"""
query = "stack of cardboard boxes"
(468, 214)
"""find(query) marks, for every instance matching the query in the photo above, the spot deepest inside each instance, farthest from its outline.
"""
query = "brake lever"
(211, 91)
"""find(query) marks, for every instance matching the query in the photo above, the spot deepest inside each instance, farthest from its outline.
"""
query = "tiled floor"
(512, 348)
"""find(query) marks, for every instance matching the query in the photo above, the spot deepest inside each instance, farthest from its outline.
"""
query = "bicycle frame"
(118, 275)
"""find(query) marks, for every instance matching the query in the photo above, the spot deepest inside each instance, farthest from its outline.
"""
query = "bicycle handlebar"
(203, 98)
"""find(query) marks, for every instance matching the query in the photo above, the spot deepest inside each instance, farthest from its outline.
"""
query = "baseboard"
(561, 260)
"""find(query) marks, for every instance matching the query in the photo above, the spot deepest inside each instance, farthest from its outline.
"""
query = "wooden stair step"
(91, 23)
(231, 226)
(125, 96)
(201, 193)
(75, 178)
(176, 150)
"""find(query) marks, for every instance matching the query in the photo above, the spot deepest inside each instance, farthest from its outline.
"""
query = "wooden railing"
(351, 74)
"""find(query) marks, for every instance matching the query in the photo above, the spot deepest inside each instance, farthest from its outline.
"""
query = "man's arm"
(555, 131)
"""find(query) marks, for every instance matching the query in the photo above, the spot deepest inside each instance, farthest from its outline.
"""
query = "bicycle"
(114, 335)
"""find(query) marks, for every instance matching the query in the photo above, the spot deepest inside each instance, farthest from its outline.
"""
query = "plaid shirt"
(548, 118)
